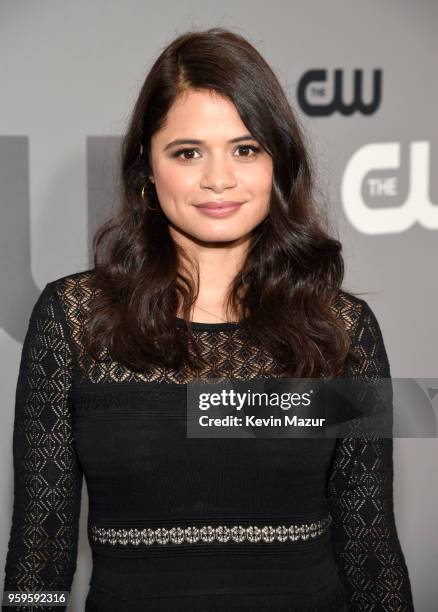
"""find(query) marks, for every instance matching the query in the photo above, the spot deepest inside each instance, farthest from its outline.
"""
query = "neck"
(218, 264)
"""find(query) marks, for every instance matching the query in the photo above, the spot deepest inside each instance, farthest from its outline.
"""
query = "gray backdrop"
(70, 73)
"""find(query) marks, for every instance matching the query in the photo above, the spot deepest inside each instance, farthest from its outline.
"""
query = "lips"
(216, 205)
(219, 209)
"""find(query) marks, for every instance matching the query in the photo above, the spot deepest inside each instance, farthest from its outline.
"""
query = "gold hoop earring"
(144, 201)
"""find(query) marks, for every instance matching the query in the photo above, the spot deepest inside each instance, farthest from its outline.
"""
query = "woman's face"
(226, 165)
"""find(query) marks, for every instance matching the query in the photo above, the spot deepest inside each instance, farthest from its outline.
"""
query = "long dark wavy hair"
(293, 270)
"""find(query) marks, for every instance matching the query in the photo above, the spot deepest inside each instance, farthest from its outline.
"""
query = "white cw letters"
(394, 219)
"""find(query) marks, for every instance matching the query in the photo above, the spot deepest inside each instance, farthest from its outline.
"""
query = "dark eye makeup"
(178, 154)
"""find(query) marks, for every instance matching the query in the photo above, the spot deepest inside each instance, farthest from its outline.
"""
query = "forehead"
(202, 114)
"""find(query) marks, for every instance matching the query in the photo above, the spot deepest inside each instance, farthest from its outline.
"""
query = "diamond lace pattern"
(42, 548)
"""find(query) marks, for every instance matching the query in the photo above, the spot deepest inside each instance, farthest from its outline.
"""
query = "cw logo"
(307, 84)
(394, 219)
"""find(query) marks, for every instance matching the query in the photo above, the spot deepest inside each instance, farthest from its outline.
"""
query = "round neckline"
(209, 326)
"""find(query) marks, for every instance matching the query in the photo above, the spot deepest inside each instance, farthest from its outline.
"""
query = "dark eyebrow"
(191, 141)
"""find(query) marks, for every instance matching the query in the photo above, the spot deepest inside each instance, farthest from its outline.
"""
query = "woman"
(216, 266)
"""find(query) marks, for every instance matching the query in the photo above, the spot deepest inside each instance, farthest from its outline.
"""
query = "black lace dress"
(178, 523)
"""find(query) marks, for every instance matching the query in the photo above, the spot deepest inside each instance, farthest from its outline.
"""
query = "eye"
(252, 148)
(181, 152)
(187, 155)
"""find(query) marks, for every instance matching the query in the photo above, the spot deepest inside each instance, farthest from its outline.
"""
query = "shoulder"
(350, 308)
(358, 316)
(72, 287)
(58, 291)
(365, 334)
(76, 279)
(73, 293)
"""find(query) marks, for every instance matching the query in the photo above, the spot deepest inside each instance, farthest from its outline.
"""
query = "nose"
(218, 175)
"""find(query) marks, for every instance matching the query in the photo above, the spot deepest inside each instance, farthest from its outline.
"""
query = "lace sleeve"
(360, 495)
(42, 547)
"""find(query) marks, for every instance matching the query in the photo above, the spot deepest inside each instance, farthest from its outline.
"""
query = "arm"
(360, 495)
(42, 547)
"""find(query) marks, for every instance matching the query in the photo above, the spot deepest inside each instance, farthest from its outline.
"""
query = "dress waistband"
(208, 533)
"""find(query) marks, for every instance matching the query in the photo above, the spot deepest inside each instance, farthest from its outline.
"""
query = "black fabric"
(125, 433)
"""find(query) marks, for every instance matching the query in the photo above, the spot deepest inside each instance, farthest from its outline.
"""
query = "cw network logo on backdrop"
(314, 84)
(361, 186)
(372, 178)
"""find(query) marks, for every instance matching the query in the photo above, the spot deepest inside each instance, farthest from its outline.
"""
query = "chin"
(229, 236)
(215, 230)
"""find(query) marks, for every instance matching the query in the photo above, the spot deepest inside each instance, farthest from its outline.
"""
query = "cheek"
(259, 179)
(261, 189)
(173, 185)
